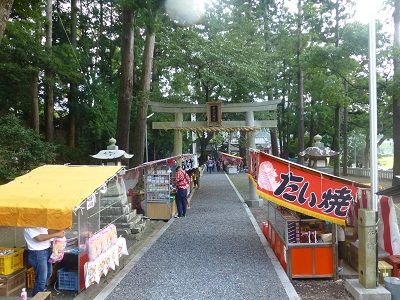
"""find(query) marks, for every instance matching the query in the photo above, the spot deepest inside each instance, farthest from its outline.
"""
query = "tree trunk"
(300, 88)
(5, 10)
(243, 146)
(286, 116)
(49, 92)
(280, 116)
(336, 141)
(73, 86)
(112, 47)
(143, 99)
(203, 144)
(274, 142)
(336, 137)
(396, 92)
(312, 124)
(126, 88)
(35, 102)
(345, 157)
(366, 152)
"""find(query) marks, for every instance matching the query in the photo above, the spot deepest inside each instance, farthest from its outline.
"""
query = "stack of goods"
(12, 272)
(293, 232)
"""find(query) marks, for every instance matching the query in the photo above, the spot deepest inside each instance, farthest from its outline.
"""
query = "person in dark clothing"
(196, 178)
(210, 165)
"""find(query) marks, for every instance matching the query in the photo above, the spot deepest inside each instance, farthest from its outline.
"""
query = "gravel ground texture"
(308, 289)
(213, 253)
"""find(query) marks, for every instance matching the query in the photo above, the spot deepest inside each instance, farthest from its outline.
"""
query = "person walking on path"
(38, 240)
(210, 165)
(182, 183)
(196, 178)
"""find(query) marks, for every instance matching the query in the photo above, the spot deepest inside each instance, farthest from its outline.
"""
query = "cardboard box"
(11, 285)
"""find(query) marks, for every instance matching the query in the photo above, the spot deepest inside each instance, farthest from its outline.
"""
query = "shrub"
(21, 149)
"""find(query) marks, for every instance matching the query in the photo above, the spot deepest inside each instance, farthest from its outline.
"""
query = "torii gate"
(250, 125)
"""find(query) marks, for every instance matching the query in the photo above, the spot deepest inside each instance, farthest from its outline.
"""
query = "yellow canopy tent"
(47, 196)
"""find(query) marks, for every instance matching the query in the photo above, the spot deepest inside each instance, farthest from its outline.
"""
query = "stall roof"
(47, 196)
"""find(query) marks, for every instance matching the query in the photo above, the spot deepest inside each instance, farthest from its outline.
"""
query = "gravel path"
(213, 253)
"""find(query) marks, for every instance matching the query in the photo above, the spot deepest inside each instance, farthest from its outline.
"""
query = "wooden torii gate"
(250, 125)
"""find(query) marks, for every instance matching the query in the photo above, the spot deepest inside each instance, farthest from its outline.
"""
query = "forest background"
(75, 73)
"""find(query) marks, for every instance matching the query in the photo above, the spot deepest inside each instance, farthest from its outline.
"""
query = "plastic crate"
(11, 285)
(12, 262)
(67, 280)
(30, 278)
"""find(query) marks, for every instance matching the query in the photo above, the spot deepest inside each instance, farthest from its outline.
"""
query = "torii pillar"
(178, 134)
(254, 200)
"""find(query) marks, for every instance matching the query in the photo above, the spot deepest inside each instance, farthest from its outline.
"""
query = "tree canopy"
(237, 51)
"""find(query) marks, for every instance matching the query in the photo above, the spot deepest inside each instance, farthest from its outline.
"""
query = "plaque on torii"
(214, 114)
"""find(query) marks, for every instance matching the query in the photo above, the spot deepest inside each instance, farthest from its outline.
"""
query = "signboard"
(301, 189)
(91, 201)
(214, 114)
(189, 162)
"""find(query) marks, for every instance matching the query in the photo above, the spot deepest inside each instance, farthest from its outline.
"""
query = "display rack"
(157, 185)
(159, 202)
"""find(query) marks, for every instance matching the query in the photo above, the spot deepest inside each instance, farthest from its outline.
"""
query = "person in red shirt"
(182, 183)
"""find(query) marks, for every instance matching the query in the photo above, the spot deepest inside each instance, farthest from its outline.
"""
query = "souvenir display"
(58, 250)
(107, 260)
(101, 241)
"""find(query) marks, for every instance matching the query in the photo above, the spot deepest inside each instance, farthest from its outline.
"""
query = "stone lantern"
(112, 156)
(317, 154)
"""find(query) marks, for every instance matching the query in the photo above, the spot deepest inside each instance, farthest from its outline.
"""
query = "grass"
(386, 162)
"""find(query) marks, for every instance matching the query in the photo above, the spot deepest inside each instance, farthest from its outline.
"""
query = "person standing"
(341, 236)
(182, 183)
(196, 178)
(210, 165)
(38, 240)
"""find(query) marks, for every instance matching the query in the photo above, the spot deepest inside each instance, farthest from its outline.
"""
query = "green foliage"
(241, 51)
(21, 149)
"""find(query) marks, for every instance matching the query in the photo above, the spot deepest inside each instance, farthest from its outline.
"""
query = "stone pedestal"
(116, 209)
(359, 292)
(253, 201)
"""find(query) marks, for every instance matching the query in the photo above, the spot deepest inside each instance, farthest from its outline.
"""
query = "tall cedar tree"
(73, 86)
(49, 76)
(126, 88)
(5, 10)
(396, 92)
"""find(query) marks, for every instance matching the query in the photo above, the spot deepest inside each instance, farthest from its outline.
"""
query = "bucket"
(392, 284)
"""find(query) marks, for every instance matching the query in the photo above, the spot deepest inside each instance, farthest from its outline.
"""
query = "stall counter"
(299, 259)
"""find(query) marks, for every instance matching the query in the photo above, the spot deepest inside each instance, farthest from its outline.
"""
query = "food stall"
(155, 180)
(67, 197)
(303, 245)
(230, 163)
(304, 208)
